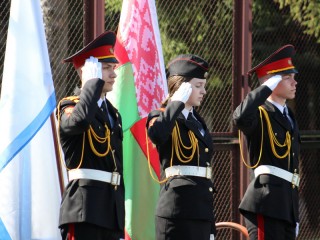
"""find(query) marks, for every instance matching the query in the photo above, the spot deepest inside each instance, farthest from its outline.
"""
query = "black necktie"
(103, 107)
(195, 121)
(287, 117)
(105, 110)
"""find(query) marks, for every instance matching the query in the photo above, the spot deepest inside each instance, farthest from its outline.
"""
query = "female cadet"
(185, 206)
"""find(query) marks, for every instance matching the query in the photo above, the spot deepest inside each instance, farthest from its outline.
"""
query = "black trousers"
(88, 231)
(266, 228)
(175, 229)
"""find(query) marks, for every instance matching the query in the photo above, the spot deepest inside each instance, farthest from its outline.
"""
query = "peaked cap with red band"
(100, 48)
(279, 62)
(188, 65)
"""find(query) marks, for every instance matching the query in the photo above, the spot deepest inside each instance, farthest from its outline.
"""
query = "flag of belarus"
(140, 88)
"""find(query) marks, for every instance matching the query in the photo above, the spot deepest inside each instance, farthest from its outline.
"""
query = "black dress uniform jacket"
(87, 200)
(267, 194)
(182, 197)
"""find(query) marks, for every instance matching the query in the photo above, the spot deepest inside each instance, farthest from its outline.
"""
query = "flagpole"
(57, 152)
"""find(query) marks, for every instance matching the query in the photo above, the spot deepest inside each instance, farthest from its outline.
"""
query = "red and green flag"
(140, 88)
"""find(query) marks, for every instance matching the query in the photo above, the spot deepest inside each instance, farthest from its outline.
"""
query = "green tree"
(306, 12)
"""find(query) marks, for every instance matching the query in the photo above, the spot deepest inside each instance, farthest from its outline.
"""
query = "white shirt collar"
(186, 112)
(279, 106)
(100, 101)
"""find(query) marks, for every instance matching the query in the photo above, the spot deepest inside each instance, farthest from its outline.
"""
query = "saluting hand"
(91, 69)
(183, 93)
(273, 82)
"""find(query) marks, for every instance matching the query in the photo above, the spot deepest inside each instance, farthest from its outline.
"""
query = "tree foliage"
(199, 27)
(306, 12)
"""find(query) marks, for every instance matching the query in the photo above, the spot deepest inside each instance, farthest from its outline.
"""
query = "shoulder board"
(66, 104)
(153, 115)
(67, 101)
(71, 98)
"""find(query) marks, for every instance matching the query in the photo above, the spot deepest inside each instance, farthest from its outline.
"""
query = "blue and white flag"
(29, 184)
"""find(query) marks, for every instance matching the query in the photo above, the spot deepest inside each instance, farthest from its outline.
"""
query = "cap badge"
(111, 50)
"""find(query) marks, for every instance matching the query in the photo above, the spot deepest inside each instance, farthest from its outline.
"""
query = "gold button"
(210, 189)
(206, 149)
(293, 186)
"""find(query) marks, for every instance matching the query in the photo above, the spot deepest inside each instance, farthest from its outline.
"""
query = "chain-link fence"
(207, 28)
(4, 21)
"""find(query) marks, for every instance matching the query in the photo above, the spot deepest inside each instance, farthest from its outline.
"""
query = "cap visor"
(287, 71)
(109, 60)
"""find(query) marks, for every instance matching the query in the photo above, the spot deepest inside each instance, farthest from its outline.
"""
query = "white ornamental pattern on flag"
(145, 56)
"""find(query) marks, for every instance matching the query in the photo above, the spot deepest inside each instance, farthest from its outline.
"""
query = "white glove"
(272, 82)
(297, 229)
(183, 93)
(91, 69)
(211, 237)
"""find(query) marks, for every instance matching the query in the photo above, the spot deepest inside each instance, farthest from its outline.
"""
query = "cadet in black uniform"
(270, 205)
(185, 207)
(91, 138)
